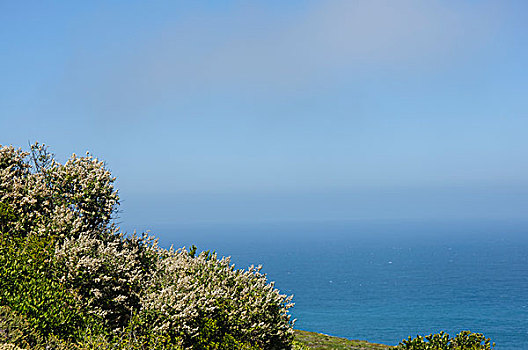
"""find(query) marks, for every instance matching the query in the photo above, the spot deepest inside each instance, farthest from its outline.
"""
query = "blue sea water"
(385, 281)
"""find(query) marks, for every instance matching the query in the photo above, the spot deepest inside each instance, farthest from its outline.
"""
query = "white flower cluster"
(20, 192)
(107, 274)
(186, 289)
(48, 197)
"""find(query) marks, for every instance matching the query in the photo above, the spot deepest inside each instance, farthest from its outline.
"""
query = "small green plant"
(465, 340)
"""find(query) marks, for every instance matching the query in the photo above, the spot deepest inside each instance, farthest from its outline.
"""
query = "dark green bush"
(14, 329)
(7, 215)
(28, 286)
(465, 340)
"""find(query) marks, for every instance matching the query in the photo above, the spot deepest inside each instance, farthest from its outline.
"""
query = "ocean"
(383, 281)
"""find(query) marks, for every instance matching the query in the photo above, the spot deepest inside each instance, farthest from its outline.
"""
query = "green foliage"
(18, 333)
(192, 251)
(29, 287)
(465, 340)
(212, 336)
(7, 216)
(299, 346)
(14, 329)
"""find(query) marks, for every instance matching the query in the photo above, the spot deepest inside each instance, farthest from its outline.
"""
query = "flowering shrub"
(107, 274)
(48, 198)
(465, 340)
(79, 282)
(218, 300)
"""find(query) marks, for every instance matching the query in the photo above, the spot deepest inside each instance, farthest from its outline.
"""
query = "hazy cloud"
(251, 48)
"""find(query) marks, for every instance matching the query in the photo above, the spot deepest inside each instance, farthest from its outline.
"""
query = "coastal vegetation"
(465, 340)
(71, 279)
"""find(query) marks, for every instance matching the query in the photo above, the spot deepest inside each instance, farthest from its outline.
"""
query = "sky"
(270, 111)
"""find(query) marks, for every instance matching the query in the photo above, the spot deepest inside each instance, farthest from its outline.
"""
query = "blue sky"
(279, 111)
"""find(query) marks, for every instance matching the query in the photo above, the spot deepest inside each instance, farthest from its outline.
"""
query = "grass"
(312, 340)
